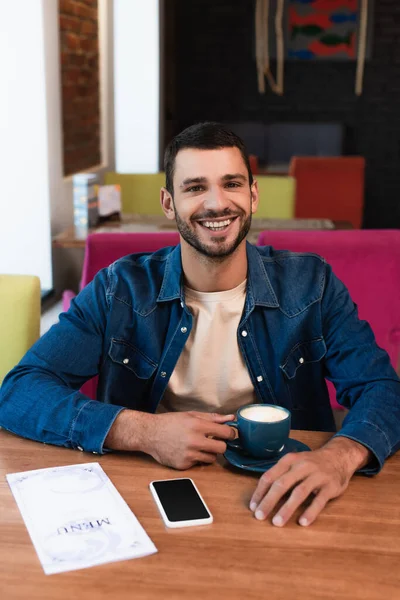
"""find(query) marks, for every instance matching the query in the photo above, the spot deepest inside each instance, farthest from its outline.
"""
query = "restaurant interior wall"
(67, 263)
(211, 74)
(24, 152)
(80, 84)
(137, 85)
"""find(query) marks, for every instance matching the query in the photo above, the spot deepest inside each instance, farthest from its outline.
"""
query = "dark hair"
(204, 136)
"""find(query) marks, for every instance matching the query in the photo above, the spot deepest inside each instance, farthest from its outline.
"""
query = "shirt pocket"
(303, 370)
(131, 359)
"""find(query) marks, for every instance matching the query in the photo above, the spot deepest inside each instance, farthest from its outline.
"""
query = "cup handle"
(235, 444)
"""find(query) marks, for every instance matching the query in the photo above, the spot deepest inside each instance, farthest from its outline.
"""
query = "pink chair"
(102, 249)
(368, 263)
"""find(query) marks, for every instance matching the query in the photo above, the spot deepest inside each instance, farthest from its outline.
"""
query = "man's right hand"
(182, 439)
(175, 439)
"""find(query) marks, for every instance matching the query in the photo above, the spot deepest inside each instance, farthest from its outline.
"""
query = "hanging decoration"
(310, 30)
(262, 46)
(362, 46)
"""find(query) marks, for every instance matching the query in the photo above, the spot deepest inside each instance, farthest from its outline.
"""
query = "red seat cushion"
(329, 188)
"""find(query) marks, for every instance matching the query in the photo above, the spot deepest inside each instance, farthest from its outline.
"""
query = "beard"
(219, 249)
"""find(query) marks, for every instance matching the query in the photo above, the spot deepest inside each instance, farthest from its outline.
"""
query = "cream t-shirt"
(211, 375)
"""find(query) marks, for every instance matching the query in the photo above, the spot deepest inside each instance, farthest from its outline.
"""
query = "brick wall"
(79, 46)
(215, 78)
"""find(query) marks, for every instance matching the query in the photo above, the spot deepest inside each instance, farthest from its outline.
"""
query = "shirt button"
(259, 378)
(163, 374)
(244, 333)
(125, 361)
(184, 329)
(80, 448)
(301, 360)
(182, 305)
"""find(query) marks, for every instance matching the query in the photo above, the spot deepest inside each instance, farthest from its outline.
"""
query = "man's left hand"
(323, 473)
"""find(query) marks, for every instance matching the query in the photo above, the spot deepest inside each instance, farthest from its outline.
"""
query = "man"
(184, 336)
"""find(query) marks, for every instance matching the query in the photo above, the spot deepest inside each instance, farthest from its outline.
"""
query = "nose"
(216, 199)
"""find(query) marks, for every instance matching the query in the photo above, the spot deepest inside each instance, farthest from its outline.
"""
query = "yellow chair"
(140, 192)
(277, 197)
(19, 318)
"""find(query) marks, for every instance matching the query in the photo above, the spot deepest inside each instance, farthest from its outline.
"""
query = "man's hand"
(323, 473)
(182, 439)
(175, 439)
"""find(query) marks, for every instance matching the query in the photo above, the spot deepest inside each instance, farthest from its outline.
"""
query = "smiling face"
(212, 201)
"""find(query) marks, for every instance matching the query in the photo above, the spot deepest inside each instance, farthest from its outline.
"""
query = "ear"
(167, 204)
(254, 196)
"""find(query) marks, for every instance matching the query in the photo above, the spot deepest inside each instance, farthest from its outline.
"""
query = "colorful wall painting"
(322, 29)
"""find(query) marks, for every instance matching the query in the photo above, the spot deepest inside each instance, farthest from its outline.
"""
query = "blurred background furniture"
(368, 263)
(140, 194)
(329, 187)
(277, 197)
(254, 166)
(134, 223)
(102, 249)
(19, 318)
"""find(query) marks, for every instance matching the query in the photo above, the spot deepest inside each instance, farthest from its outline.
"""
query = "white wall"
(24, 153)
(137, 87)
(35, 197)
(67, 263)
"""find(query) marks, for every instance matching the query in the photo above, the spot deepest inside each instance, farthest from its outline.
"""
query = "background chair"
(140, 192)
(254, 166)
(19, 318)
(101, 250)
(329, 188)
(277, 197)
(368, 263)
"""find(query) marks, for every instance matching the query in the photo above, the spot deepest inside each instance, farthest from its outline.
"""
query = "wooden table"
(76, 238)
(351, 552)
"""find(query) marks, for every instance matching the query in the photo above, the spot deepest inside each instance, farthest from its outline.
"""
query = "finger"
(219, 431)
(206, 457)
(299, 494)
(268, 478)
(278, 489)
(214, 417)
(316, 506)
(213, 446)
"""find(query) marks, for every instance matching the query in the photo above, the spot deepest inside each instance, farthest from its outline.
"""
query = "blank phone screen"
(180, 500)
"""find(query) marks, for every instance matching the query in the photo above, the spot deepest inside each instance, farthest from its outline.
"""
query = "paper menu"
(76, 518)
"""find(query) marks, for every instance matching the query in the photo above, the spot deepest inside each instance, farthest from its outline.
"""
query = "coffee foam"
(264, 414)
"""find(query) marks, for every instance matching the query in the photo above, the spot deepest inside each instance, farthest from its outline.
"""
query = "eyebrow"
(227, 177)
(193, 180)
(231, 176)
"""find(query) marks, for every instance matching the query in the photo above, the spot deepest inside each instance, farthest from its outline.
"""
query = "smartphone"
(180, 503)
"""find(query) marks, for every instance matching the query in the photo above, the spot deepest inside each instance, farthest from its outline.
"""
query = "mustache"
(213, 214)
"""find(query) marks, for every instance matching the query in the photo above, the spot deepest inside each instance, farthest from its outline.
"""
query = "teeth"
(217, 224)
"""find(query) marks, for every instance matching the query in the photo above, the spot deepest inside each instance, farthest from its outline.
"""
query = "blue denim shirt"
(130, 324)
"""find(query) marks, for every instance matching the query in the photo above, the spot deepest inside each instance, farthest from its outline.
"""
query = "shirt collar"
(259, 284)
(259, 288)
(172, 285)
